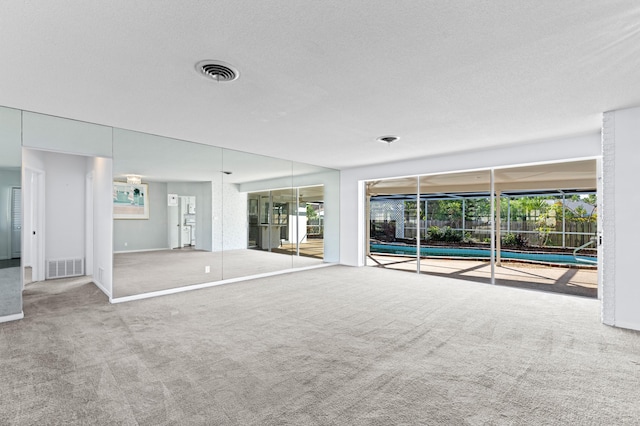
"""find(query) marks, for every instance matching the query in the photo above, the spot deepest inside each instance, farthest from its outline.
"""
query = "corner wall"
(620, 204)
(102, 223)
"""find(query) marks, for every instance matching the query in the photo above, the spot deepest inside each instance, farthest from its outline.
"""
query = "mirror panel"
(10, 214)
(51, 133)
(317, 192)
(164, 226)
(257, 203)
(226, 214)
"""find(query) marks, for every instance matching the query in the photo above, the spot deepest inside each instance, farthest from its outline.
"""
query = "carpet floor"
(148, 271)
(330, 346)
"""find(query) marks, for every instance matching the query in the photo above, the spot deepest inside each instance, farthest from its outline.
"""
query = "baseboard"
(212, 284)
(628, 325)
(140, 251)
(13, 317)
(102, 288)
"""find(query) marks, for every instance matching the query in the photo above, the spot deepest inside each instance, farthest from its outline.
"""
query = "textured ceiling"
(321, 80)
(575, 175)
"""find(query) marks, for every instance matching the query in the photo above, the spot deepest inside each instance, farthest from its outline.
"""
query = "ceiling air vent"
(217, 70)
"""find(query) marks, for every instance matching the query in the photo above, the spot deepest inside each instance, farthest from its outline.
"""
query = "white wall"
(64, 206)
(234, 217)
(620, 206)
(352, 197)
(144, 234)
(101, 168)
(332, 215)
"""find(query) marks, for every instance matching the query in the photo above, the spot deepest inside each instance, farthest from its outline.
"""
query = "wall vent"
(63, 268)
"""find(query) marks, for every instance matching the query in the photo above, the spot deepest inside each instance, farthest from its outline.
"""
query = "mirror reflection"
(186, 213)
(10, 213)
(164, 213)
(161, 214)
(253, 215)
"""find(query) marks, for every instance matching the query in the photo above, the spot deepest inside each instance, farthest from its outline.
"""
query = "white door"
(174, 226)
(16, 222)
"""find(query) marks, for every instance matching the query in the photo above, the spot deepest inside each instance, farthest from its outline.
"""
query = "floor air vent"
(63, 268)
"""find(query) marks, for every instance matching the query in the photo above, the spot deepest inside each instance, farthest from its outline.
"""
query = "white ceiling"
(575, 175)
(320, 80)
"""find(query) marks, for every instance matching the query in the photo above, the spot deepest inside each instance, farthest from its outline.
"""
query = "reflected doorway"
(288, 221)
(10, 219)
(182, 222)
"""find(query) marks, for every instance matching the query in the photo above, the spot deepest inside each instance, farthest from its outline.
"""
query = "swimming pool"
(565, 259)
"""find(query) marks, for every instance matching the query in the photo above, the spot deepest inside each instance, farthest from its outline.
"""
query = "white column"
(618, 207)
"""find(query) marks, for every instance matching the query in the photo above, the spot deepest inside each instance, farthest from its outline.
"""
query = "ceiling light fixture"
(217, 70)
(134, 179)
(388, 139)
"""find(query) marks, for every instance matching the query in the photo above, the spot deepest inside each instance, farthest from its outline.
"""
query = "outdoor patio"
(567, 280)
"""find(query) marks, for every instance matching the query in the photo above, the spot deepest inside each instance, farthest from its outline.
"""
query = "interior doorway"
(288, 221)
(182, 221)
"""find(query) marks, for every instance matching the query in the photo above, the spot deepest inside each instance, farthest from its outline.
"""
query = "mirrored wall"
(10, 214)
(142, 214)
(187, 213)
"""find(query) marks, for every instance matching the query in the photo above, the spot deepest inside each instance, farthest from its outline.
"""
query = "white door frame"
(35, 186)
(88, 250)
(15, 232)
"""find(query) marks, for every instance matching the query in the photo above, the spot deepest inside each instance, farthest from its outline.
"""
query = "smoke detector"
(217, 70)
(387, 139)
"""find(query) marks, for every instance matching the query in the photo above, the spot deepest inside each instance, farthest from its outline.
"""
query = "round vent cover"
(217, 70)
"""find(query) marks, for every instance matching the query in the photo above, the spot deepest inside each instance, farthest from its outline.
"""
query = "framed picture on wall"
(130, 201)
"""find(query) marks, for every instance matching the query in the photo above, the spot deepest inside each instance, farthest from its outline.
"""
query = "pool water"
(566, 259)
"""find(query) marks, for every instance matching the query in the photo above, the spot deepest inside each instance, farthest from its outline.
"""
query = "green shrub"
(514, 240)
(451, 236)
(434, 233)
(445, 234)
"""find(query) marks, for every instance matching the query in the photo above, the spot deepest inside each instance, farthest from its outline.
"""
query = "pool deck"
(558, 279)
(312, 247)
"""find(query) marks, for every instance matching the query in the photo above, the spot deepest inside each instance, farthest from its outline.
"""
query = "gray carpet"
(144, 272)
(10, 289)
(333, 346)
